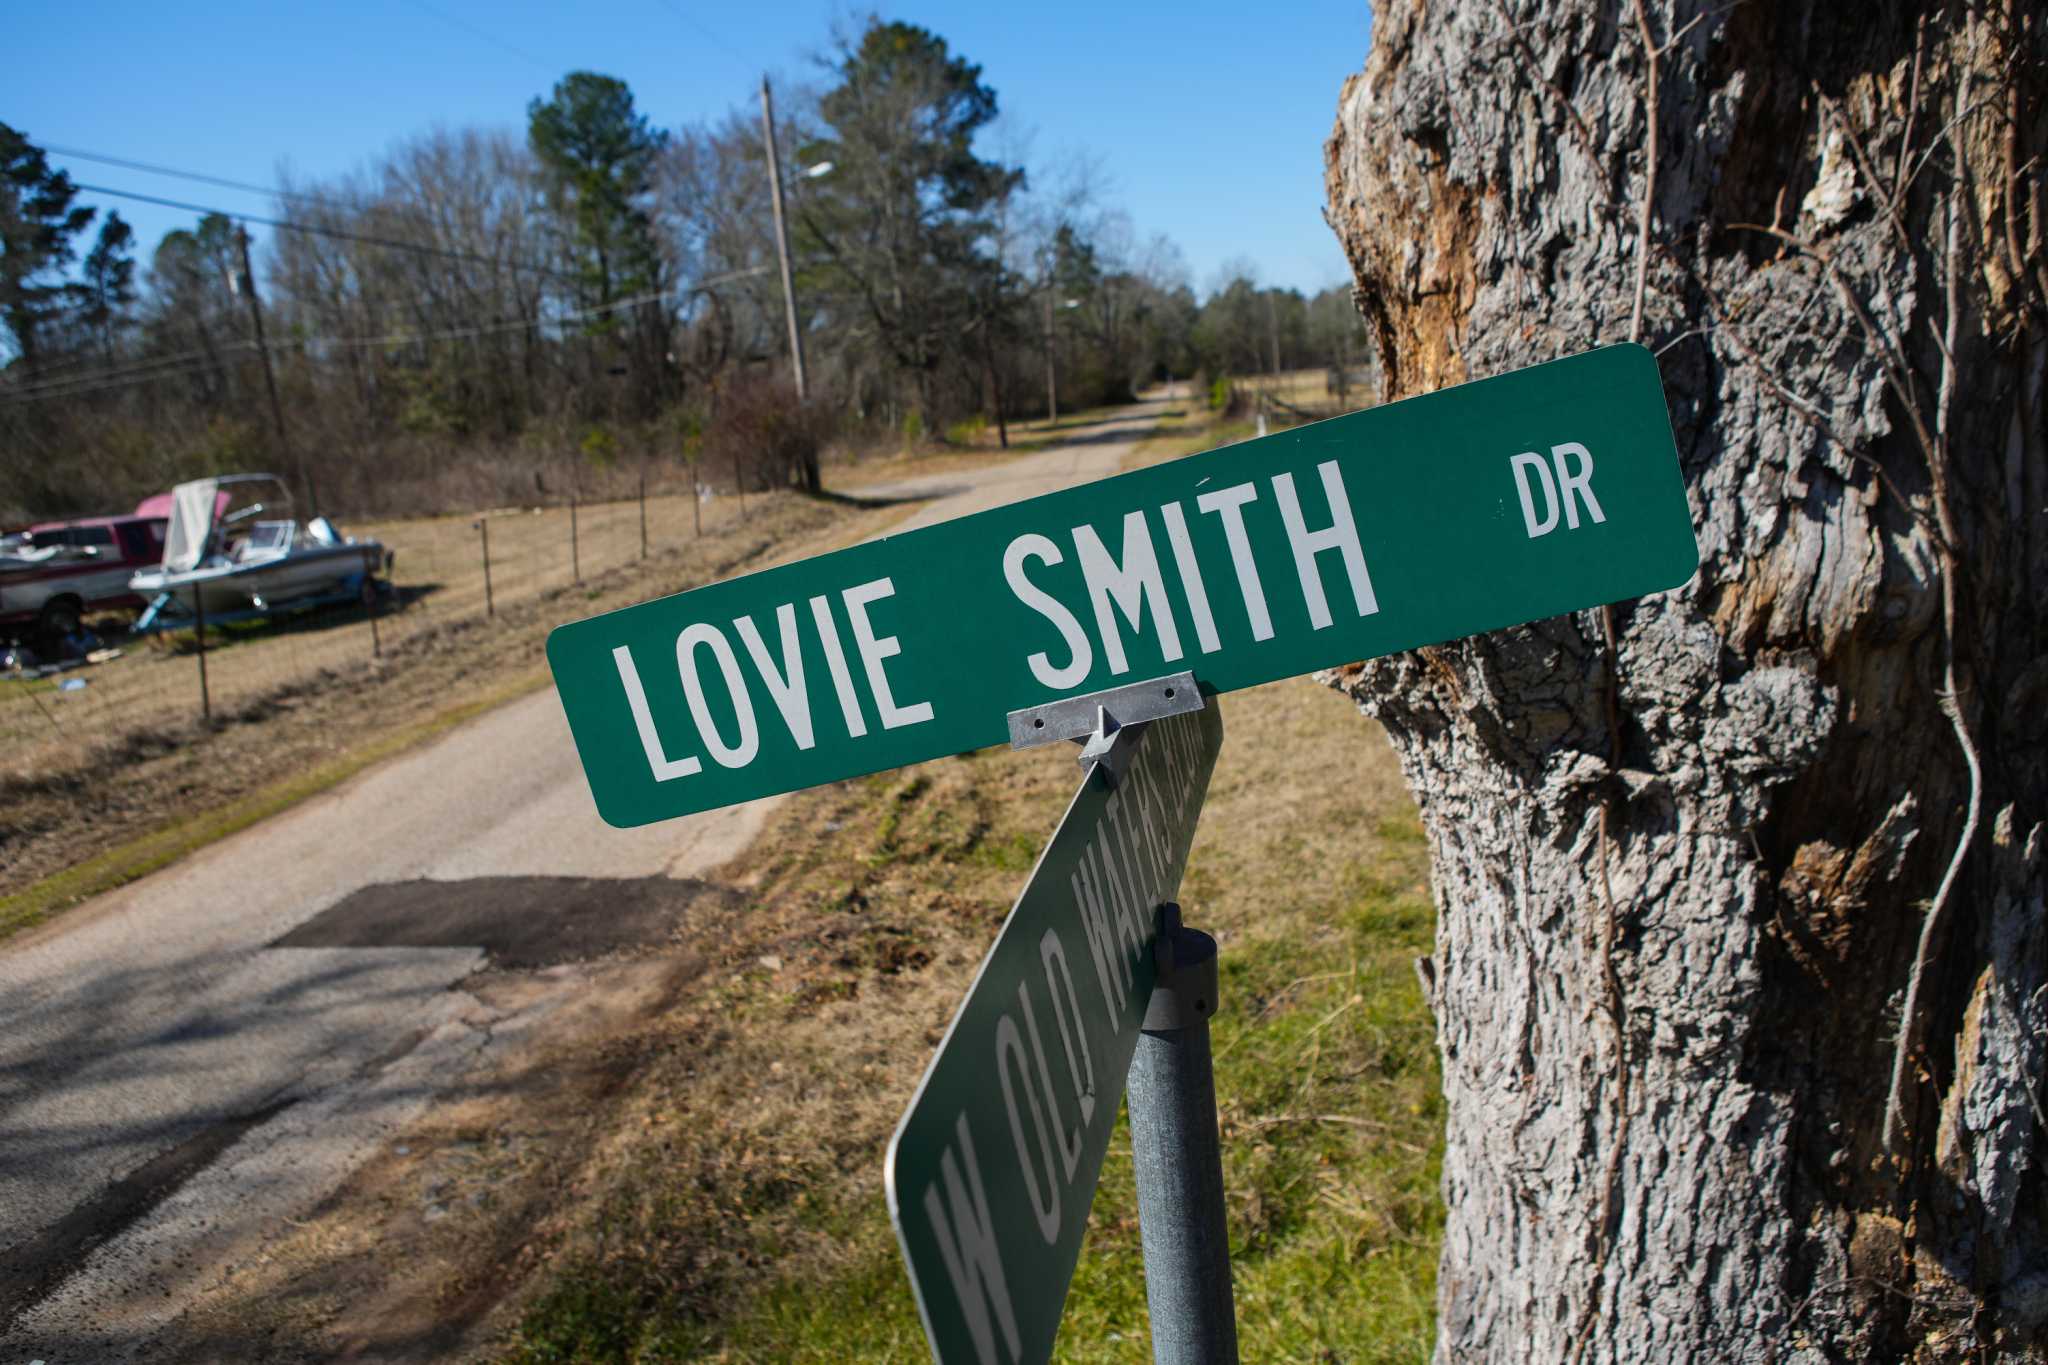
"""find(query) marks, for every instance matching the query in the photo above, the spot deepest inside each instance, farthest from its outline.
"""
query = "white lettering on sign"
(704, 635)
(835, 662)
(967, 1244)
(1190, 576)
(1080, 658)
(873, 650)
(786, 684)
(1133, 585)
(664, 767)
(1096, 927)
(1045, 1195)
(1228, 504)
(1068, 1141)
(1571, 490)
(1341, 536)
(1126, 865)
(1523, 465)
(1576, 488)
(1066, 1010)
(780, 670)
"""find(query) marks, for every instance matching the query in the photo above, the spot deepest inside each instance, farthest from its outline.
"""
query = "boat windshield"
(217, 517)
(267, 540)
(192, 511)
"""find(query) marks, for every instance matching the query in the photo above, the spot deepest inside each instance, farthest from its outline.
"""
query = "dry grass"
(752, 1228)
(154, 686)
(100, 805)
(1305, 390)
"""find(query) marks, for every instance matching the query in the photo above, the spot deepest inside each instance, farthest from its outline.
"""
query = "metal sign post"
(994, 1164)
(1177, 1155)
(1092, 981)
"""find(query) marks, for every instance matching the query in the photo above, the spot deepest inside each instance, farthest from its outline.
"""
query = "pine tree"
(597, 153)
(109, 283)
(903, 222)
(37, 223)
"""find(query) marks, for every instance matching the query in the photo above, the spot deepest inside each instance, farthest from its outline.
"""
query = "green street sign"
(994, 1165)
(1531, 494)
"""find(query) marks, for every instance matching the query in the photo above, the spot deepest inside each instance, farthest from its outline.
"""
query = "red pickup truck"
(52, 574)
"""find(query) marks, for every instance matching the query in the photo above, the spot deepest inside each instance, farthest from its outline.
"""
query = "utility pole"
(995, 383)
(1273, 331)
(796, 340)
(1052, 393)
(284, 444)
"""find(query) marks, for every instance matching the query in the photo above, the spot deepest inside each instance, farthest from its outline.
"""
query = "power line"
(483, 33)
(703, 29)
(196, 362)
(272, 191)
(287, 225)
(79, 387)
(201, 177)
(141, 369)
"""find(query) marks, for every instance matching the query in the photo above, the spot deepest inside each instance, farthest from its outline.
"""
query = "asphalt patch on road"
(523, 923)
(30, 1271)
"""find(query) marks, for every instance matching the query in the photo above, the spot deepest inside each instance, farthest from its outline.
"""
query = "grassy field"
(439, 575)
(1305, 394)
(735, 1213)
(108, 773)
(100, 805)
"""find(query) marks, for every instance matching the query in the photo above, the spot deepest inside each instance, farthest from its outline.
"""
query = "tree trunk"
(1684, 855)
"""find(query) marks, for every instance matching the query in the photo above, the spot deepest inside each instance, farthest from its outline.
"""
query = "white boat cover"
(192, 508)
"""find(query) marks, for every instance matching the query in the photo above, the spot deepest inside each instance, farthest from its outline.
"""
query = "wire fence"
(159, 683)
(1295, 396)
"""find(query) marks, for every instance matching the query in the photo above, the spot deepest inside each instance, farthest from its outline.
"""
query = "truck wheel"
(61, 617)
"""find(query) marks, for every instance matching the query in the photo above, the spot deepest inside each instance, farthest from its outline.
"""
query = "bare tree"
(1742, 966)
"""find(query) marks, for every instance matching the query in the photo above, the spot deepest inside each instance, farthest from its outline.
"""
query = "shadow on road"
(75, 1044)
(522, 923)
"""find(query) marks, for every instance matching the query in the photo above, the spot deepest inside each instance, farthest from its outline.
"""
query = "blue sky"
(1206, 120)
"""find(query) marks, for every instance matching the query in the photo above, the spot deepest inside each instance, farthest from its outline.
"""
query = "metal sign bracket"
(1094, 718)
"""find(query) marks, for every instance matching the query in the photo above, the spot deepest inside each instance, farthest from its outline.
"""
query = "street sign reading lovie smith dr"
(1534, 493)
(992, 1170)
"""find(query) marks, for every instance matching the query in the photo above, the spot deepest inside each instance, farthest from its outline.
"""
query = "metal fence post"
(575, 546)
(1178, 1157)
(643, 512)
(483, 525)
(199, 638)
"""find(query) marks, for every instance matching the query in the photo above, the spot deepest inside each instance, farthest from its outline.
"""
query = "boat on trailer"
(246, 554)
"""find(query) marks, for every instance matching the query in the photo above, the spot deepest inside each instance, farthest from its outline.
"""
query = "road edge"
(36, 903)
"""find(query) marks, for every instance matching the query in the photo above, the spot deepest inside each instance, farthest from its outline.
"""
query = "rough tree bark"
(1682, 878)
